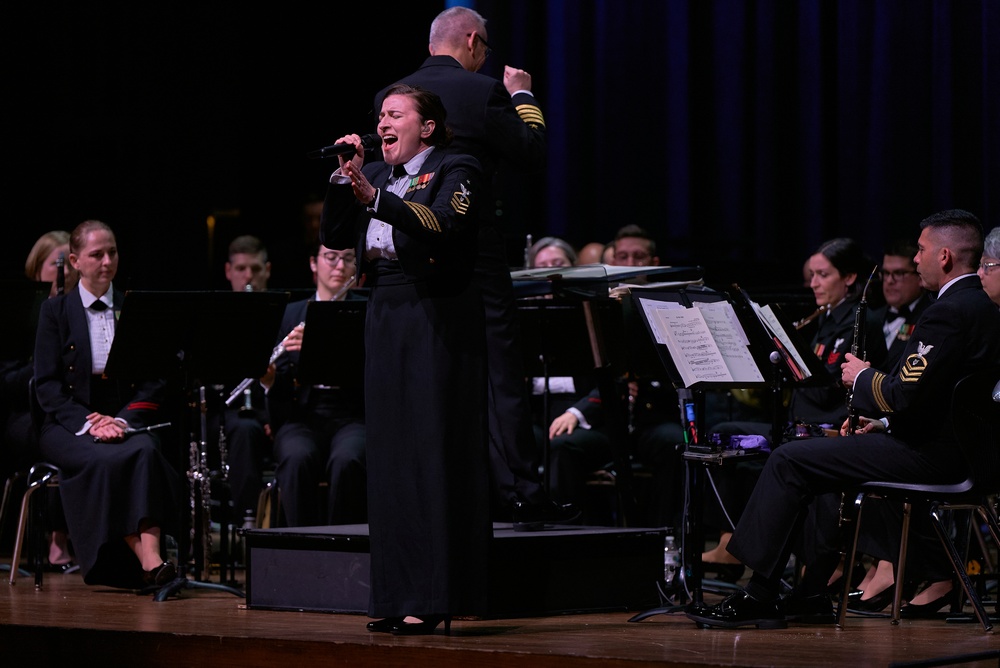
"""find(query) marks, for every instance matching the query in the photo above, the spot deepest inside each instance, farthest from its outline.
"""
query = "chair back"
(977, 427)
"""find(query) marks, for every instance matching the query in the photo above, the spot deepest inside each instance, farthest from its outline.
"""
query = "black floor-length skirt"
(107, 489)
(428, 471)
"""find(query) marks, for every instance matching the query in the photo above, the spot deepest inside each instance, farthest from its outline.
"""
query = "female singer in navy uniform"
(425, 388)
(118, 490)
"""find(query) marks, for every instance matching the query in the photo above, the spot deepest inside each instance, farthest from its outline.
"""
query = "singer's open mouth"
(389, 139)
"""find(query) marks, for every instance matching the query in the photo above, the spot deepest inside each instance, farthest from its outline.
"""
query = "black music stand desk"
(195, 338)
(333, 344)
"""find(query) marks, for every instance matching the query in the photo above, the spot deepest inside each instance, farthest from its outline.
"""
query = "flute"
(278, 351)
(139, 430)
(348, 284)
(799, 324)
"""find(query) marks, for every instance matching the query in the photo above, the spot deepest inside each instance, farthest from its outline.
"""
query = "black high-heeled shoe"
(876, 603)
(384, 625)
(425, 627)
(159, 576)
(730, 573)
(925, 610)
(854, 596)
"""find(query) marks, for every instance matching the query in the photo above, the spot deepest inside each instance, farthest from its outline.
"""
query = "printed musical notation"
(707, 343)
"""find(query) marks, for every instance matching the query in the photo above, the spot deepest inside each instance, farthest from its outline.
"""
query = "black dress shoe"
(159, 576)
(384, 625)
(876, 603)
(536, 516)
(815, 609)
(425, 627)
(740, 609)
(730, 573)
(68, 567)
(925, 610)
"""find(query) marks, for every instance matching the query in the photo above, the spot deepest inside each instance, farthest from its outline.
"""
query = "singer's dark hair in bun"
(430, 108)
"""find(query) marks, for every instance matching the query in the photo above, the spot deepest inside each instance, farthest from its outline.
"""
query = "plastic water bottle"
(671, 558)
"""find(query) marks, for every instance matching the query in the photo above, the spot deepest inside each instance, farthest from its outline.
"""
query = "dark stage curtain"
(744, 133)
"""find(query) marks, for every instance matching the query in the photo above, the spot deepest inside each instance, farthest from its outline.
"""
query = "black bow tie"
(398, 171)
(98, 305)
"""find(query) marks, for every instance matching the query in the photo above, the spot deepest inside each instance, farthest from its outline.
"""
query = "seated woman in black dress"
(118, 490)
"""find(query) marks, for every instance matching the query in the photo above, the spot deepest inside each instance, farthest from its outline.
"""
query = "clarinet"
(61, 274)
(859, 350)
(201, 493)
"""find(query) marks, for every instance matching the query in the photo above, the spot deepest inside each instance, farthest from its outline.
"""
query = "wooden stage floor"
(66, 622)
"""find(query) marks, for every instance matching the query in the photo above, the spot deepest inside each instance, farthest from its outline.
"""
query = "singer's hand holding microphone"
(350, 151)
(363, 190)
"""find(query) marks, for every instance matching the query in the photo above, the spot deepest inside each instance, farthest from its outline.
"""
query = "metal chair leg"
(33, 486)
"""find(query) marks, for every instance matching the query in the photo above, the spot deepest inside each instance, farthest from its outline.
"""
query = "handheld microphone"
(368, 142)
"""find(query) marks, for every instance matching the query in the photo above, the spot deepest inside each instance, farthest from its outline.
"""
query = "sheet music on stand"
(701, 340)
(803, 367)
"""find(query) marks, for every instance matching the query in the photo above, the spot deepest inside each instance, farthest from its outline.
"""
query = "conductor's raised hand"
(515, 79)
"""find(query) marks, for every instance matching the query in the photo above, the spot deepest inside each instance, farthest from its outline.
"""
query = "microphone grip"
(368, 142)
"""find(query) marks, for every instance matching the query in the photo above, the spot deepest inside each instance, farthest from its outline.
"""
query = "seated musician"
(319, 430)
(579, 444)
(19, 440)
(839, 271)
(245, 423)
(119, 492)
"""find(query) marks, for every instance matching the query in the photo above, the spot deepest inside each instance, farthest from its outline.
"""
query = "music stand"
(746, 350)
(331, 329)
(23, 299)
(590, 286)
(554, 342)
(192, 339)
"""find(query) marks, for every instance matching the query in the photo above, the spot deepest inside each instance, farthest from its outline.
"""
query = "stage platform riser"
(561, 571)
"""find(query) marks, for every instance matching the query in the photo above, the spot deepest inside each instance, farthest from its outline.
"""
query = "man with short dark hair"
(905, 299)
(247, 268)
(635, 247)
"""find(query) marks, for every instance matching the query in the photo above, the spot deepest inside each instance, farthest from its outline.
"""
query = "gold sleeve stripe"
(425, 216)
(531, 114)
(877, 380)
